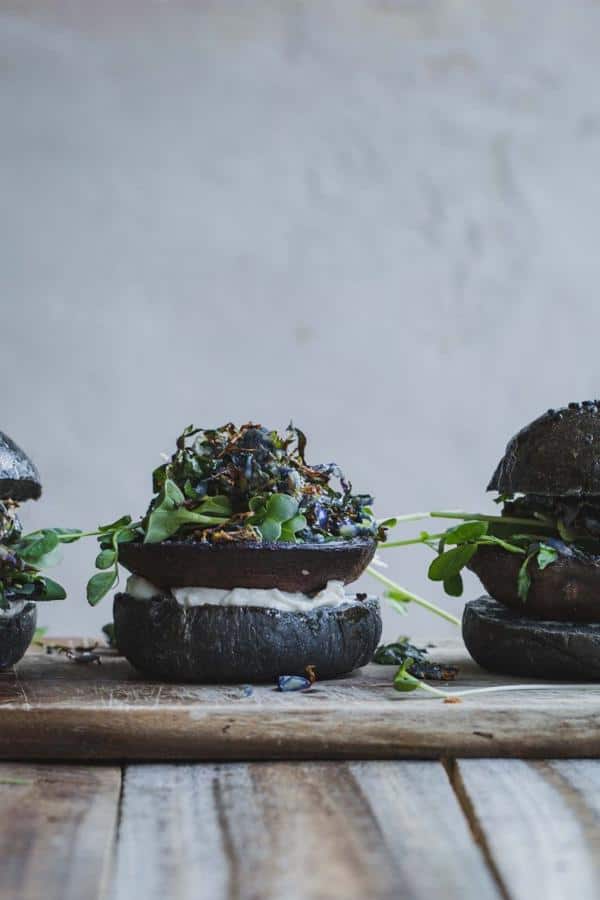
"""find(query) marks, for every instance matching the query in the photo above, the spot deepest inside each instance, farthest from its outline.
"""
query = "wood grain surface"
(539, 822)
(264, 831)
(488, 829)
(52, 708)
(57, 828)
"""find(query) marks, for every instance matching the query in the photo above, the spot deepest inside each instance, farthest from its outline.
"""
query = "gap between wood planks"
(465, 803)
(497, 829)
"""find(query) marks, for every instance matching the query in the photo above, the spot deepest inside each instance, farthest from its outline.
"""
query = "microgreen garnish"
(399, 598)
(529, 537)
(397, 653)
(239, 484)
(277, 517)
(406, 682)
(107, 561)
(23, 556)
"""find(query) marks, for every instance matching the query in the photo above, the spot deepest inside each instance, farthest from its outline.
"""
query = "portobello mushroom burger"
(239, 566)
(21, 556)
(538, 557)
(544, 615)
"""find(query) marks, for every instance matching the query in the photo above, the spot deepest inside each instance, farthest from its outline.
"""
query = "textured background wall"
(378, 218)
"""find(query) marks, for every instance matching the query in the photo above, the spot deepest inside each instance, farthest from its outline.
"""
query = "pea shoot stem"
(470, 517)
(410, 517)
(412, 598)
(438, 692)
(422, 539)
(482, 517)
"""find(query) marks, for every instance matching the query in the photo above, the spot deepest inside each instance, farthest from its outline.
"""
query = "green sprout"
(405, 683)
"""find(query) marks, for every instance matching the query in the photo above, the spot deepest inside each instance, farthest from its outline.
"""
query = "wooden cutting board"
(56, 709)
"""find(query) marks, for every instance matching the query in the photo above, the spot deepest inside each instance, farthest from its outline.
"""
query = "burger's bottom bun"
(502, 641)
(212, 644)
(16, 634)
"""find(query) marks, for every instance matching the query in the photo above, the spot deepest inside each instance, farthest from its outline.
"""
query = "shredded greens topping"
(23, 556)
(240, 484)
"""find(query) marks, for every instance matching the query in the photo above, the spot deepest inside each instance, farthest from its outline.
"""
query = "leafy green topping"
(250, 483)
(537, 537)
(23, 556)
(239, 484)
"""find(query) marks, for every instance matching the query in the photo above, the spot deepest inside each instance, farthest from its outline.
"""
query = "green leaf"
(164, 523)
(67, 535)
(289, 528)
(126, 535)
(49, 559)
(524, 579)
(218, 505)
(546, 555)
(106, 559)
(387, 523)
(403, 680)
(172, 495)
(169, 514)
(270, 530)
(99, 585)
(51, 590)
(281, 507)
(120, 523)
(400, 599)
(468, 531)
(454, 586)
(449, 564)
(256, 504)
(36, 545)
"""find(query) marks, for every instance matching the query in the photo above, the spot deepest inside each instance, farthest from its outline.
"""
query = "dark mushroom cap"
(19, 478)
(557, 454)
(289, 567)
(566, 591)
(243, 644)
(501, 641)
(16, 634)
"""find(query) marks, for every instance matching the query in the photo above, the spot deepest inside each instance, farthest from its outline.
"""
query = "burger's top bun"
(556, 455)
(19, 478)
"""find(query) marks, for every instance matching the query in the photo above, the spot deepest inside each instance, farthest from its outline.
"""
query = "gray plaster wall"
(378, 218)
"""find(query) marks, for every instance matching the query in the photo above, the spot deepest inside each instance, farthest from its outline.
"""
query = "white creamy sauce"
(332, 595)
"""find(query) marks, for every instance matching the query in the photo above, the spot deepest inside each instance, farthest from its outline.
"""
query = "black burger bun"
(219, 644)
(16, 634)
(568, 590)
(304, 568)
(19, 477)
(558, 454)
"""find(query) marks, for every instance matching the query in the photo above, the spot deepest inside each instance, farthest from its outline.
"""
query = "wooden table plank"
(539, 822)
(57, 828)
(53, 708)
(296, 830)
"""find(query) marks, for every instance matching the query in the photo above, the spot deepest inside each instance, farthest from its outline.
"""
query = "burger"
(538, 556)
(238, 568)
(543, 618)
(22, 557)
